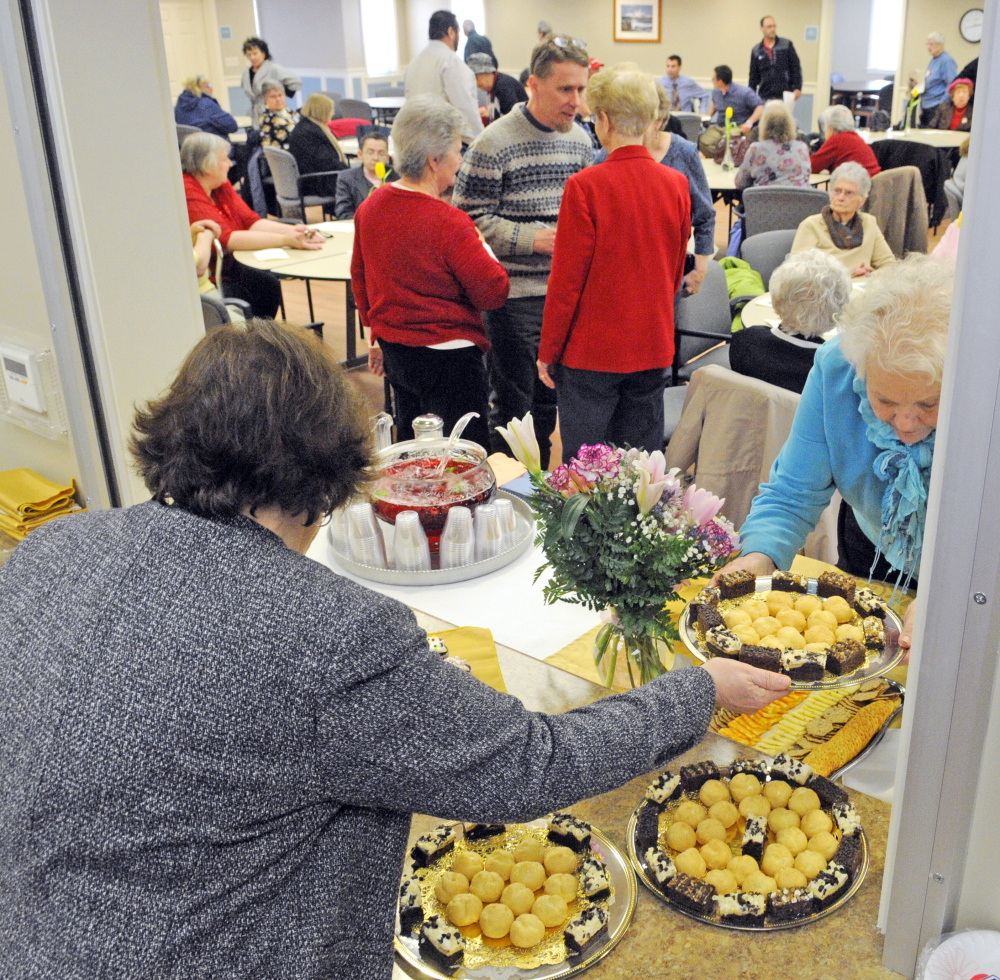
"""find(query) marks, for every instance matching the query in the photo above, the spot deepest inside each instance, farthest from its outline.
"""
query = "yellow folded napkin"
(505, 468)
(19, 529)
(476, 646)
(23, 493)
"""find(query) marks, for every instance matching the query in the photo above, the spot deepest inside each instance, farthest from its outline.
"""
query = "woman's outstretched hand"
(743, 688)
(756, 562)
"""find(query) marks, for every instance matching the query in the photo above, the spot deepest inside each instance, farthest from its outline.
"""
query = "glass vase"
(636, 655)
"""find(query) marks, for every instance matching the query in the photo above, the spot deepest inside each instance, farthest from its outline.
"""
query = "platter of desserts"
(825, 633)
(544, 900)
(748, 846)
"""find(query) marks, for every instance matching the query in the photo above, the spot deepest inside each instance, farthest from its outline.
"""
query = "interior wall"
(238, 16)
(25, 313)
(851, 33)
(312, 38)
(924, 16)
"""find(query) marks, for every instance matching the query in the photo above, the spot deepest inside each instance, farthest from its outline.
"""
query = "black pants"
(260, 288)
(514, 331)
(856, 552)
(448, 383)
(926, 116)
(618, 409)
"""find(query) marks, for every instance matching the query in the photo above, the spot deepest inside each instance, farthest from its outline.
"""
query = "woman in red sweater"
(621, 241)
(421, 274)
(205, 162)
(842, 144)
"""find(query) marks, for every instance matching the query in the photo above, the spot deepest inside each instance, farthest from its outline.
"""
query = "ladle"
(456, 433)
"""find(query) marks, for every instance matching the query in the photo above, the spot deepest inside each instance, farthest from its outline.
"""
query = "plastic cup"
(339, 535)
(412, 551)
(508, 522)
(458, 539)
(489, 537)
(365, 536)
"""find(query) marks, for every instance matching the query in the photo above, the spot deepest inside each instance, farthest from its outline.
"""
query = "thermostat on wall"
(22, 378)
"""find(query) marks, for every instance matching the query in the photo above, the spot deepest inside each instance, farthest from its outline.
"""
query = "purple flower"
(560, 479)
(596, 463)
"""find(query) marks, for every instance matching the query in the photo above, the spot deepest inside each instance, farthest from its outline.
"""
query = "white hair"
(809, 290)
(839, 118)
(853, 173)
(899, 321)
(199, 150)
(425, 127)
(936, 36)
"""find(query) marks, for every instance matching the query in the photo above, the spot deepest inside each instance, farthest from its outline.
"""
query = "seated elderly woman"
(421, 276)
(234, 738)
(607, 331)
(808, 292)
(196, 106)
(842, 144)
(276, 120)
(778, 157)
(843, 229)
(956, 111)
(865, 426)
(205, 161)
(315, 148)
(354, 185)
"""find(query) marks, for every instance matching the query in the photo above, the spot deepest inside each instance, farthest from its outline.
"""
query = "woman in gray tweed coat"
(212, 745)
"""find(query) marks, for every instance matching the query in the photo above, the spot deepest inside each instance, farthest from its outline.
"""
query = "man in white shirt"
(439, 71)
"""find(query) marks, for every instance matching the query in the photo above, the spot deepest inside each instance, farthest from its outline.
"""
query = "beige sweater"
(873, 250)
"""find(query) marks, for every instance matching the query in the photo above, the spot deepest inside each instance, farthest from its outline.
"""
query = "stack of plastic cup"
(364, 536)
(508, 522)
(338, 532)
(489, 537)
(457, 540)
(410, 542)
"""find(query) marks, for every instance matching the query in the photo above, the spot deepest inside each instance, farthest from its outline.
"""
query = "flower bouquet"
(619, 535)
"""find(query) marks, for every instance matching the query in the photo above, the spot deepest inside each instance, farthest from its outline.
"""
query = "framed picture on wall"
(637, 21)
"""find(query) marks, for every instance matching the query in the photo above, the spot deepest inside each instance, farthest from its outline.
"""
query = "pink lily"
(653, 480)
(702, 504)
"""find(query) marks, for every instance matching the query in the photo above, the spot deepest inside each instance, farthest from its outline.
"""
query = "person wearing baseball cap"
(504, 91)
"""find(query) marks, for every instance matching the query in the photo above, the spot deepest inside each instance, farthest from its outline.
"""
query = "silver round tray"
(620, 912)
(646, 877)
(444, 576)
(874, 666)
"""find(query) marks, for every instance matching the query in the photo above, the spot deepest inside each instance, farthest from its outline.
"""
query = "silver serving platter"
(645, 876)
(875, 666)
(445, 576)
(620, 915)
(900, 691)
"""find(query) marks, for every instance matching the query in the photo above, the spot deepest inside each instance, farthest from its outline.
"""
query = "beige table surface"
(932, 137)
(662, 943)
(723, 180)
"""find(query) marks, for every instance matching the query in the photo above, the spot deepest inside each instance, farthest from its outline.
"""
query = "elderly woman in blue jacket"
(196, 106)
(865, 426)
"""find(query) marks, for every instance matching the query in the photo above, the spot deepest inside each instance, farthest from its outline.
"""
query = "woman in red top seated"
(842, 144)
(205, 161)
(421, 274)
(956, 111)
(621, 241)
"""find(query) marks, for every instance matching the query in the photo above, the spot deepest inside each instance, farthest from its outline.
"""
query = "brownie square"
(874, 631)
(709, 617)
(722, 642)
(480, 831)
(766, 658)
(569, 832)
(836, 583)
(846, 818)
(844, 656)
(707, 597)
(442, 944)
(588, 928)
(432, 846)
(828, 885)
(827, 790)
(789, 904)
(647, 827)
(690, 893)
(741, 908)
(849, 855)
(663, 789)
(594, 880)
(752, 767)
(867, 603)
(789, 582)
(732, 585)
(755, 837)
(803, 665)
(411, 912)
(693, 777)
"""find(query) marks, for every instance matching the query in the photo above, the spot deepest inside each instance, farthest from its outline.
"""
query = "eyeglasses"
(568, 42)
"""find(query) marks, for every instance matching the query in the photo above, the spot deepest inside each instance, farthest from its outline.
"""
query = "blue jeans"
(514, 331)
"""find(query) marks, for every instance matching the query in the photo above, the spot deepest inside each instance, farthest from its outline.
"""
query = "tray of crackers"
(543, 900)
(748, 846)
(831, 731)
(825, 633)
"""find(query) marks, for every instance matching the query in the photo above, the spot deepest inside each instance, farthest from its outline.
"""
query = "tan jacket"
(873, 250)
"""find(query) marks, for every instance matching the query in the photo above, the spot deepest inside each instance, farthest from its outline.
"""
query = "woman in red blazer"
(621, 241)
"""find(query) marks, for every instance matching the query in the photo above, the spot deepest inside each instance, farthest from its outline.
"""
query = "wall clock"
(971, 25)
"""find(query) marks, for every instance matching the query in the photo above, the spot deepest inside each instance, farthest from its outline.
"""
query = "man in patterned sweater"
(511, 185)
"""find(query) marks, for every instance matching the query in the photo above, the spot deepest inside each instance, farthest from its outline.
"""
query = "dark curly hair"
(259, 415)
(256, 42)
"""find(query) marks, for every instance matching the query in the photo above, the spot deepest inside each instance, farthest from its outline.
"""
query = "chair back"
(213, 312)
(931, 161)
(354, 109)
(183, 132)
(765, 252)
(388, 91)
(772, 208)
(691, 124)
(285, 171)
(702, 322)
(899, 206)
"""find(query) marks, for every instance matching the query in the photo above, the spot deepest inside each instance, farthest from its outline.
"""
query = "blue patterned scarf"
(907, 472)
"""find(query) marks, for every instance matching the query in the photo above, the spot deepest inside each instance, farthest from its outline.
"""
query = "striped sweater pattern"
(511, 183)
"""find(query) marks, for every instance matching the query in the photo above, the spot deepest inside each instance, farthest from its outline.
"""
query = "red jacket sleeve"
(576, 237)
(824, 157)
(358, 284)
(483, 279)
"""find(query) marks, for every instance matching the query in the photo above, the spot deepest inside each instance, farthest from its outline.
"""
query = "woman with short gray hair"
(276, 120)
(422, 276)
(842, 229)
(205, 162)
(842, 144)
(808, 292)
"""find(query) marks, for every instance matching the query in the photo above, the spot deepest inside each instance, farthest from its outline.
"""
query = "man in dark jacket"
(503, 91)
(476, 43)
(774, 64)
